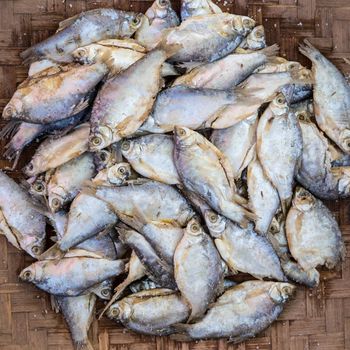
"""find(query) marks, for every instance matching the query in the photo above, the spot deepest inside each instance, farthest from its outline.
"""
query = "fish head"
(100, 137)
(303, 200)
(31, 168)
(33, 245)
(303, 111)
(256, 39)
(103, 159)
(119, 173)
(275, 226)
(279, 105)
(242, 24)
(32, 273)
(215, 222)
(280, 292)
(121, 310)
(344, 139)
(14, 109)
(86, 54)
(131, 24)
(159, 9)
(131, 149)
(194, 228)
(184, 137)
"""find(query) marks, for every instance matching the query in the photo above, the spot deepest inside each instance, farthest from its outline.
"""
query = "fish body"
(71, 276)
(198, 269)
(152, 157)
(57, 94)
(279, 147)
(151, 312)
(204, 170)
(331, 96)
(54, 152)
(17, 210)
(207, 38)
(124, 101)
(260, 260)
(68, 179)
(313, 235)
(241, 312)
(83, 29)
(226, 72)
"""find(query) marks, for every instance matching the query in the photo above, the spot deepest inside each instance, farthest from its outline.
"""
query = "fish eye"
(8, 111)
(259, 34)
(39, 187)
(55, 203)
(30, 166)
(181, 132)
(213, 218)
(293, 66)
(81, 52)
(194, 227)
(287, 290)
(27, 275)
(122, 170)
(114, 312)
(126, 145)
(96, 141)
(274, 229)
(36, 250)
(136, 21)
(247, 22)
(280, 100)
(162, 3)
(301, 116)
(105, 292)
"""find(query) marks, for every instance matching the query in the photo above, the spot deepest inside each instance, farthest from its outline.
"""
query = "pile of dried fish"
(175, 159)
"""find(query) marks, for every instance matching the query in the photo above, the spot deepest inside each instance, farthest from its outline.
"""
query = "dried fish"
(190, 8)
(331, 97)
(198, 269)
(255, 40)
(17, 211)
(240, 313)
(83, 29)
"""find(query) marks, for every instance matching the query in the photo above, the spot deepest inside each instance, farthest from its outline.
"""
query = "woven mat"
(315, 319)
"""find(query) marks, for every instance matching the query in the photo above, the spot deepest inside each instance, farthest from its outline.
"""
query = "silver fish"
(279, 147)
(237, 143)
(198, 269)
(78, 322)
(240, 313)
(67, 180)
(206, 171)
(190, 8)
(313, 235)
(151, 311)
(226, 72)
(58, 93)
(152, 157)
(260, 260)
(331, 97)
(144, 284)
(207, 38)
(20, 220)
(54, 152)
(83, 29)
(159, 17)
(263, 197)
(71, 276)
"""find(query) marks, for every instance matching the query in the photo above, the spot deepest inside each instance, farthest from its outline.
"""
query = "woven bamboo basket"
(314, 319)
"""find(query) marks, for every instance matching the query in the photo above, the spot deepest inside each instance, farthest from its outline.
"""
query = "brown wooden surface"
(315, 319)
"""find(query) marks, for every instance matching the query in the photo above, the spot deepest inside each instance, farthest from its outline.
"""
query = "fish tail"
(181, 330)
(270, 51)
(9, 129)
(30, 55)
(308, 50)
(293, 271)
(239, 214)
(285, 205)
(83, 345)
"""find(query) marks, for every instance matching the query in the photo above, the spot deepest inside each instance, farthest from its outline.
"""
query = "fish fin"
(250, 156)
(81, 106)
(240, 200)
(248, 216)
(77, 252)
(189, 65)
(83, 345)
(7, 232)
(52, 253)
(123, 43)
(169, 70)
(9, 129)
(54, 239)
(270, 51)
(54, 304)
(67, 22)
(30, 55)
